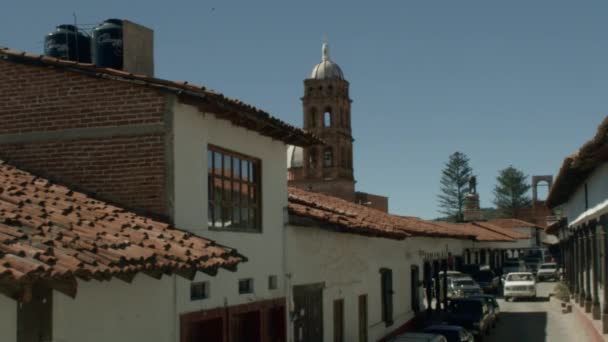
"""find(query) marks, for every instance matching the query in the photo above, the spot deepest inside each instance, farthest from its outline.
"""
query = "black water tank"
(107, 44)
(66, 42)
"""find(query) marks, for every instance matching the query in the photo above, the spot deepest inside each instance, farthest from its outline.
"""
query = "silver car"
(462, 287)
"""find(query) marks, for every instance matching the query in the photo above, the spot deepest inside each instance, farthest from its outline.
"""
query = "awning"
(591, 214)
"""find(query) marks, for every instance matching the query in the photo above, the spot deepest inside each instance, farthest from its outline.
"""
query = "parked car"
(419, 337)
(472, 314)
(519, 285)
(494, 307)
(461, 287)
(532, 263)
(547, 271)
(450, 275)
(470, 269)
(487, 280)
(452, 333)
(512, 265)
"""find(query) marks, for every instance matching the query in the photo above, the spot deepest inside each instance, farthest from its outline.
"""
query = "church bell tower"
(325, 168)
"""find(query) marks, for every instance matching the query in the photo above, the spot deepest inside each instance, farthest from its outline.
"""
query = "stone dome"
(326, 70)
(295, 156)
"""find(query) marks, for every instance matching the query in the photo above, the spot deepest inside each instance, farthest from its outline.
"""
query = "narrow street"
(536, 321)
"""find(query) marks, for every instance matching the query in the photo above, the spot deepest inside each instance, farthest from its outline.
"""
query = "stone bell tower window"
(327, 118)
(312, 159)
(328, 157)
(313, 117)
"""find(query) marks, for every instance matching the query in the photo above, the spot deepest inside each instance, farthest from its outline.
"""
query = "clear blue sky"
(512, 82)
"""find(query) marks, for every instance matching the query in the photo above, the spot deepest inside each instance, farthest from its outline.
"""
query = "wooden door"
(363, 318)
(339, 320)
(415, 280)
(35, 318)
(308, 305)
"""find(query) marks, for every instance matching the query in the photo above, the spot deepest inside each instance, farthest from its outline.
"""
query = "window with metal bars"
(233, 191)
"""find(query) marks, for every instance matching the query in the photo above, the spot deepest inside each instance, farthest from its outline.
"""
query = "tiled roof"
(512, 223)
(481, 233)
(51, 233)
(314, 209)
(577, 167)
(513, 234)
(237, 112)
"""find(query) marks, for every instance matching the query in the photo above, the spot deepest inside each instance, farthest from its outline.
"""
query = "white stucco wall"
(193, 131)
(597, 192)
(517, 244)
(8, 319)
(350, 265)
(116, 311)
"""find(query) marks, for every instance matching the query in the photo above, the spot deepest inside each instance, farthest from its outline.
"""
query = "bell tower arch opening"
(540, 188)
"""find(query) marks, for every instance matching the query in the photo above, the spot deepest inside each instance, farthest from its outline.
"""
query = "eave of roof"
(515, 235)
(512, 223)
(51, 234)
(578, 166)
(554, 227)
(237, 112)
(327, 212)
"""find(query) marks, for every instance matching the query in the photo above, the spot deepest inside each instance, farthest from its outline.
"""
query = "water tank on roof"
(107, 44)
(66, 42)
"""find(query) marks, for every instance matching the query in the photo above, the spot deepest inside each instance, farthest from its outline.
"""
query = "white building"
(579, 196)
(359, 274)
(217, 167)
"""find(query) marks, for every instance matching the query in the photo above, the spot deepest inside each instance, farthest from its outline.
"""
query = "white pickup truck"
(547, 271)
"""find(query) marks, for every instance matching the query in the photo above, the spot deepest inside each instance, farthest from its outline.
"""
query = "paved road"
(536, 321)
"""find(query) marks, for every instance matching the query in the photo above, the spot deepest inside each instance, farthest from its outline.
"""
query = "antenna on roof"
(75, 37)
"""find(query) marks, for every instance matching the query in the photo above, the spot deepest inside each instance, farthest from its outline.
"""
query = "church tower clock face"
(326, 109)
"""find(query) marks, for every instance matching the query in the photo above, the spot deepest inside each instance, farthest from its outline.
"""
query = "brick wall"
(41, 99)
(128, 170)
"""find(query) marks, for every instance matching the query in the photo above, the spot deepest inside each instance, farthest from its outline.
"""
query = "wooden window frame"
(250, 286)
(194, 287)
(253, 204)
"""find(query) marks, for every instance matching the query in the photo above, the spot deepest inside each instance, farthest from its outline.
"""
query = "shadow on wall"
(520, 326)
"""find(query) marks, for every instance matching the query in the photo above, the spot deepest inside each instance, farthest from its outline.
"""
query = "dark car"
(452, 333)
(487, 280)
(472, 314)
(470, 269)
(493, 304)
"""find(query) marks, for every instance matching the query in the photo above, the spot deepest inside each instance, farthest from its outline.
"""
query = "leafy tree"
(454, 186)
(511, 190)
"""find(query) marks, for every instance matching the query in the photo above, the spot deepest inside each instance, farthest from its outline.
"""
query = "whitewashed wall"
(597, 189)
(8, 319)
(193, 131)
(350, 265)
(116, 311)
(517, 244)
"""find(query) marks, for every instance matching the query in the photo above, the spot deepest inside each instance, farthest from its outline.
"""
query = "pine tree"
(454, 186)
(511, 190)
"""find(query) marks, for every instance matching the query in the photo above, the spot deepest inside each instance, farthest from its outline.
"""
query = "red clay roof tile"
(314, 209)
(48, 231)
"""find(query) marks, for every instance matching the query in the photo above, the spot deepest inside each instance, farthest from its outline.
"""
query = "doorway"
(415, 281)
(308, 302)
